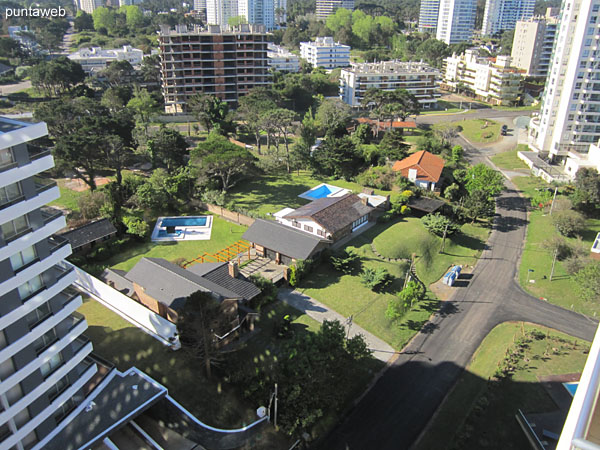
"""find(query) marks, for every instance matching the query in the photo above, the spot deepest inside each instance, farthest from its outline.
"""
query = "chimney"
(233, 269)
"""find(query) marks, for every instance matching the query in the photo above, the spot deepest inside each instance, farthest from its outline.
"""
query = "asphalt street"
(395, 411)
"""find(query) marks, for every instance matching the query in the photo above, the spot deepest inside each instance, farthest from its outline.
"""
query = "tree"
(168, 148)
(116, 98)
(9, 48)
(251, 108)
(90, 204)
(201, 319)
(134, 17)
(236, 21)
(334, 116)
(136, 226)
(375, 278)
(345, 261)
(587, 189)
(119, 73)
(210, 111)
(337, 157)
(588, 281)
(568, 223)
(439, 225)
(56, 76)
(150, 69)
(144, 107)
(484, 178)
(446, 131)
(413, 292)
(478, 204)
(219, 158)
(282, 120)
(83, 21)
(393, 146)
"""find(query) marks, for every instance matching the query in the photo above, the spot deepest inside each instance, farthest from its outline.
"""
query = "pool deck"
(335, 191)
(188, 233)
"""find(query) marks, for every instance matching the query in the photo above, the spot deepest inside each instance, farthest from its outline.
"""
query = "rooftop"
(325, 41)
(395, 66)
(88, 233)
(195, 30)
(429, 166)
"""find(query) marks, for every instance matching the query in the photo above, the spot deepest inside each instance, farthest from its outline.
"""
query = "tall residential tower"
(43, 357)
(456, 21)
(428, 16)
(501, 15)
(569, 118)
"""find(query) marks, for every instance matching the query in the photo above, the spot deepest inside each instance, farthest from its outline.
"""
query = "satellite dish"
(261, 412)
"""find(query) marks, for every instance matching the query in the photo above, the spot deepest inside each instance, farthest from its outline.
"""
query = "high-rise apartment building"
(218, 12)
(44, 360)
(418, 78)
(428, 16)
(260, 12)
(500, 15)
(222, 61)
(569, 118)
(90, 5)
(533, 43)
(325, 52)
(456, 21)
(492, 80)
(325, 8)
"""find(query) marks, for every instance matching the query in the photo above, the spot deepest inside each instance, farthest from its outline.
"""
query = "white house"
(95, 58)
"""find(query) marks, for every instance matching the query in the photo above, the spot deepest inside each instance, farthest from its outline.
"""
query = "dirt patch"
(75, 184)
(444, 292)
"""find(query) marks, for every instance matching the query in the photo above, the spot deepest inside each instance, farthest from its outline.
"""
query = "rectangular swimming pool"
(320, 192)
(183, 222)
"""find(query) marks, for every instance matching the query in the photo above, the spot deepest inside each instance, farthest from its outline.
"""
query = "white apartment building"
(325, 8)
(282, 59)
(95, 58)
(500, 15)
(456, 21)
(199, 5)
(44, 362)
(533, 43)
(492, 80)
(218, 12)
(90, 5)
(569, 118)
(418, 78)
(325, 52)
(428, 16)
(260, 12)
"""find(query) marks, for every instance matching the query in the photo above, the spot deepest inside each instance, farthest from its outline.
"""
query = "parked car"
(504, 130)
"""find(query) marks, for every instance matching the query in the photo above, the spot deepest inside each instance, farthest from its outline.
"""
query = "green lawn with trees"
(480, 130)
(501, 378)
(510, 160)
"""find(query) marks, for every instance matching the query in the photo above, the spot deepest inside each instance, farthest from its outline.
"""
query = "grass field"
(478, 414)
(509, 160)
(562, 289)
(269, 194)
(347, 295)
(476, 130)
(68, 197)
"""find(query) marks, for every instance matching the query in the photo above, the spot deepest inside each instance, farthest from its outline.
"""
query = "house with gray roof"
(329, 217)
(164, 287)
(282, 243)
(86, 237)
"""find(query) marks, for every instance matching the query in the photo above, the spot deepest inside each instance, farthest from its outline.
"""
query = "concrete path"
(321, 312)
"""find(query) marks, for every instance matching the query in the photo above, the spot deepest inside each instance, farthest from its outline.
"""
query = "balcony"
(46, 193)
(40, 161)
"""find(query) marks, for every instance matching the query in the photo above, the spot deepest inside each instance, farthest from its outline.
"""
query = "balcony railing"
(57, 242)
(43, 184)
(49, 214)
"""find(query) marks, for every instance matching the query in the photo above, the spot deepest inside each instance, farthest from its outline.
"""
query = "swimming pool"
(164, 233)
(571, 387)
(323, 190)
(184, 222)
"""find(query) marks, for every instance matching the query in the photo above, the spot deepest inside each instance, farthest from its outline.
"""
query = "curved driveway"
(395, 411)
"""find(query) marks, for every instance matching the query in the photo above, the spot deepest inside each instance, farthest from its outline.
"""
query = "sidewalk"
(321, 312)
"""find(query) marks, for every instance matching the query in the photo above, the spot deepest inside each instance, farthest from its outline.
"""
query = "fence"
(232, 216)
(132, 311)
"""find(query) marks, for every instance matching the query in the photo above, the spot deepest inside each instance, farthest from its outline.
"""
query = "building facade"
(569, 118)
(533, 43)
(261, 12)
(501, 15)
(325, 52)
(218, 12)
(44, 360)
(491, 80)
(282, 59)
(325, 8)
(95, 58)
(225, 62)
(428, 16)
(418, 78)
(90, 5)
(456, 21)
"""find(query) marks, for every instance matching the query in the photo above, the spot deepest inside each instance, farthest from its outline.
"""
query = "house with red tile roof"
(422, 168)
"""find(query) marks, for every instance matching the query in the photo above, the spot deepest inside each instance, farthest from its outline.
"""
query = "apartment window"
(307, 228)
(571, 117)
(4, 432)
(590, 31)
(53, 363)
(38, 315)
(321, 233)
(23, 258)
(26, 290)
(6, 157)
(296, 224)
(578, 85)
(14, 227)
(593, 19)
(10, 193)
(60, 386)
(43, 342)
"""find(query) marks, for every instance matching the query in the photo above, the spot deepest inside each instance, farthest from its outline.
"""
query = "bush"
(215, 197)
(136, 226)
(380, 177)
(268, 292)
(437, 224)
(568, 223)
(385, 217)
(588, 281)
(413, 292)
(345, 261)
(298, 271)
(375, 278)
(90, 204)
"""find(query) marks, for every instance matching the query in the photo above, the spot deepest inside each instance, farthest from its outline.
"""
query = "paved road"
(320, 312)
(398, 408)
(12, 88)
(431, 119)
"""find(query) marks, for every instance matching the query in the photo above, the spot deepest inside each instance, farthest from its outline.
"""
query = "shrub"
(588, 281)
(375, 278)
(380, 177)
(385, 217)
(344, 261)
(568, 223)
(437, 224)
(268, 292)
(413, 292)
(136, 226)
(216, 197)
(298, 271)
(90, 203)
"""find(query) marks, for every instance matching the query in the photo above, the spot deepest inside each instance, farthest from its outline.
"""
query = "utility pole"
(444, 238)
(552, 206)
(275, 409)
(553, 263)
(349, 323)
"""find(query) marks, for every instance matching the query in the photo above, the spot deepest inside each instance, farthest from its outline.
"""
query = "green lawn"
(476, 130)
(479, 414)
(269, 194)
(562, 289)
(346, 294)
(509, 160)
(68, 197)
(408, 235)
(518, 108)
(223, 234)
(443, 107)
